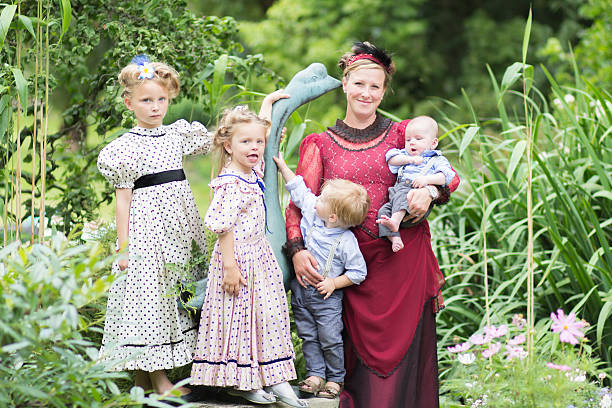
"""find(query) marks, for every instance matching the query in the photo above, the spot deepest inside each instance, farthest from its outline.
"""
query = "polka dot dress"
(244, 340)
(144, 328)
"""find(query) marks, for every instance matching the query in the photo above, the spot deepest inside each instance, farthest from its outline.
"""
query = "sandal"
(309, 386)
(331, 390)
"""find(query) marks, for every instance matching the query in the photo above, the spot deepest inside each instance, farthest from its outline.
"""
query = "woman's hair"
(374, 57)
(225, 131)
(349, 201)
(166, 76)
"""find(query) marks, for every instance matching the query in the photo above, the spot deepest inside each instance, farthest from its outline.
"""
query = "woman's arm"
(123, 197)
(232, 278)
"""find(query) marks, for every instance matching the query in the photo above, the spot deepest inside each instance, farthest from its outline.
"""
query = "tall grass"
(572, 211)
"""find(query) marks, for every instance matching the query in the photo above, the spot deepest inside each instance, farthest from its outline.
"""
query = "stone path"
(218, 399)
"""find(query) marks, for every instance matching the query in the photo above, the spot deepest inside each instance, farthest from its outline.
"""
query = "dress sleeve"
(227, 202)
(196, 139)
(310, 167)
(117, 163)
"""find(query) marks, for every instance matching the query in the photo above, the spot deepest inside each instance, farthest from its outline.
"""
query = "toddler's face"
(246, 147)
(419, 139)
(149, 102)
(322, 207)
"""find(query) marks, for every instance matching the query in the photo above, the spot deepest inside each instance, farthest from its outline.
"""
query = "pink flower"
(515, 352)
(459, 347)
(479, 339)
(558, 367)
(495, 332)
(492, 350)
(515, 341)
(518, 321)
(568, 327)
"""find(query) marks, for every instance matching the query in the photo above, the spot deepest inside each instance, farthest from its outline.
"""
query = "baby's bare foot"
(388, 222)
(396, 243)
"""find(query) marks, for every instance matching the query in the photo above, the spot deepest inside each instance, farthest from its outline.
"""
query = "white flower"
(557, 101)
(569, 98)
(459, 347)
(466, 358)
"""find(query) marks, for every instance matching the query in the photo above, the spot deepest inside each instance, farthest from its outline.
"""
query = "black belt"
(159, 178)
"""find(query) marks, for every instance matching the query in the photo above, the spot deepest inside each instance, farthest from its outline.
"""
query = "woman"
(389, 319)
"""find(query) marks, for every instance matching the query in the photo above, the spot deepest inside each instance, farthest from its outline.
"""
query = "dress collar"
(154, 132)
(354, 135)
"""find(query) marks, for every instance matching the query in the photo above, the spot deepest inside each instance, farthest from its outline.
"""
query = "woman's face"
(364, 90)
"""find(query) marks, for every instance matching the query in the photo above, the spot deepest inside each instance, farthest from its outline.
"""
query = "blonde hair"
(225, 131)
(349, 201)
(423, 123)
(164, 75)
(364, 63)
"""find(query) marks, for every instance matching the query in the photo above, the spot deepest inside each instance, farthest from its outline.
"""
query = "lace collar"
(153, 132)
(350, 134)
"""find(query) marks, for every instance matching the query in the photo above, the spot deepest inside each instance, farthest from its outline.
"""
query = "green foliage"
(572, 175)
(593, 51)
(45, 359)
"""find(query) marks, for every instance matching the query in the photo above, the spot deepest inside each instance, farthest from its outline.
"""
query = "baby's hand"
(326, 287)
(232, 278)
(415, 160)
(419, 182)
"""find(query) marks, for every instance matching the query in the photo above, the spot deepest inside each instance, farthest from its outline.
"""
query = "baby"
(417, 165)
(317, 306)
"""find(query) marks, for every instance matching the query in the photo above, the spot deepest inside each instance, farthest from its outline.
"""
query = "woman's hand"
(232, 278)
(306, 266)
(419, 200)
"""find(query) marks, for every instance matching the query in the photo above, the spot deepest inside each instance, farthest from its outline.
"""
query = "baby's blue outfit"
(405, 174)
(318, 321)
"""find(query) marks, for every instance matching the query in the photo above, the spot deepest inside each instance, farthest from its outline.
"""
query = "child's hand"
(415, 160)
(123, 261)
(419, 182)
(280, 160)
(275, 96)
(326, 287)
(232, 278)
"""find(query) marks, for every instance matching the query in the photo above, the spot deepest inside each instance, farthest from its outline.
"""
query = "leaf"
(511, 75)
(27, 23)
(5, 21)
(604, 194)
(66, 16)
(517, 154)
(295, 138)
(526, 36)
(22, 87)
(528, 77)
(467, 138)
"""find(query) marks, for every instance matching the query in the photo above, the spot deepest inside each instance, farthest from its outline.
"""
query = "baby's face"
(419, 139)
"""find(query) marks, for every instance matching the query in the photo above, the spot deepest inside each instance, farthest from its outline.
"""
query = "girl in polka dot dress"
(157, 220)
(244, 341)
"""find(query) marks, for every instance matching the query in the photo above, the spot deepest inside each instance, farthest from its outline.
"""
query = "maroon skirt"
(390, 333)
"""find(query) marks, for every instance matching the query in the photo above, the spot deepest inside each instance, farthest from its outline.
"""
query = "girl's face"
(149, 102)
(364, 90)
(246, 147)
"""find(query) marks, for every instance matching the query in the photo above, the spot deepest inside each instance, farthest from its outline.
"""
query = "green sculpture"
(305, 86)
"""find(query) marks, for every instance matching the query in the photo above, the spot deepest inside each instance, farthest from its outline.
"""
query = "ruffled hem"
(148, 358)
(232, 374)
